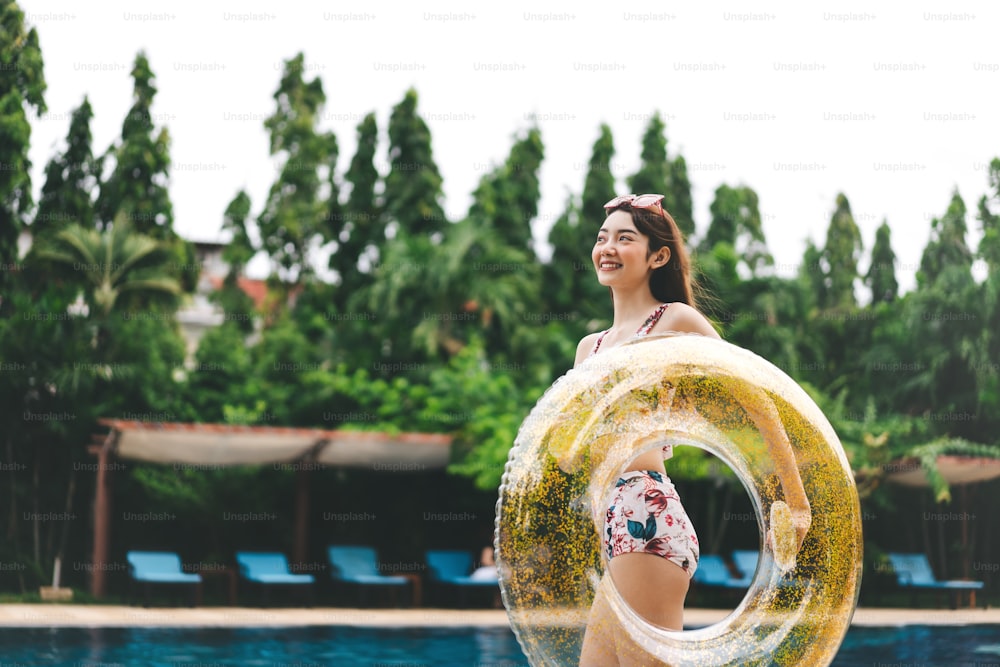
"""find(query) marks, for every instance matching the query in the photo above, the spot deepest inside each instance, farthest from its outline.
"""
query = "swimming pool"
(319, 646)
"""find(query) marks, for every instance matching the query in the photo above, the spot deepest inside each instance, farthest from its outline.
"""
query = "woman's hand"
(802, 519)
(787, 529)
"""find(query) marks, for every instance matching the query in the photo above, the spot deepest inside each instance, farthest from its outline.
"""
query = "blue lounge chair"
(713, 572)
(159, 567)
(358, 565)
(746, 563)
(913, 571)
(267, 569)
(453, 568)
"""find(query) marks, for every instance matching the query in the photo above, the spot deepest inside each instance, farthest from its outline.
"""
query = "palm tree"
(114, 263)
(441, 293)
(112, 270)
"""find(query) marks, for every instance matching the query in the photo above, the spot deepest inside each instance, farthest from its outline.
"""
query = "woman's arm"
(762, 411)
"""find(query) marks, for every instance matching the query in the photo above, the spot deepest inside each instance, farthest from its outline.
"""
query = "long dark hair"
(672, 281)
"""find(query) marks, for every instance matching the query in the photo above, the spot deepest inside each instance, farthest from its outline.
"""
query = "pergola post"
(102, 516)
(301, 547)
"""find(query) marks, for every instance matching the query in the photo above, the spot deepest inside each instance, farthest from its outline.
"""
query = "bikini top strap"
(652, 320)
(598, 343)
(646, 327)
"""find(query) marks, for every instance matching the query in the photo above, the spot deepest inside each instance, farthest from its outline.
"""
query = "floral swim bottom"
(646, 516)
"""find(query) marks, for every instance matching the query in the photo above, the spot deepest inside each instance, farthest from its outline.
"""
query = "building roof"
(254, 288)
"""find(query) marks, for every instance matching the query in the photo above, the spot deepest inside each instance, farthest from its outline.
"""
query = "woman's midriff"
(651, 460)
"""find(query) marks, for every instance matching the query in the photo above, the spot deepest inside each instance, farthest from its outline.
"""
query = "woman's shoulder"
(684, 318)
(585, 345)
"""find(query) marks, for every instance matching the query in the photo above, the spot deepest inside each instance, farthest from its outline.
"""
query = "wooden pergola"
(957, 470)
(227, 444)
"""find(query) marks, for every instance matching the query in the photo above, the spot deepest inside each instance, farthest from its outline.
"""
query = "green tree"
(356, 228)
(413, 186)
(78, 362)
(840, 257)
(811, 271)
(237, 254)
(46, 406)
(292, 222)
(560, 273)
(988, 214)
(22, 87)
(507, 197)
(680, 205)
(986, 351)
(736, 221)
(235, 220)
(654, 171)
(944, 326)
(598, 187)
(137, 184)
(571, 287)
(222, 381)
(283, 362)
(113, 265)
(657, 173)
(947, 256)
(881, 276)
(136, 188)
(71, 179)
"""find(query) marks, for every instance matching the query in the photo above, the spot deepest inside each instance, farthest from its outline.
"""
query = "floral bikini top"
(647, 326)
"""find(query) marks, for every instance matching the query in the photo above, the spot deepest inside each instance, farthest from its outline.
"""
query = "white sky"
(893, 104)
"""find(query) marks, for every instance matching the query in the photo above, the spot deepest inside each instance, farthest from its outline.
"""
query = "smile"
(609, 266)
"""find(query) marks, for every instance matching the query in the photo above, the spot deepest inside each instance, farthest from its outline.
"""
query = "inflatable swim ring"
(681, 389)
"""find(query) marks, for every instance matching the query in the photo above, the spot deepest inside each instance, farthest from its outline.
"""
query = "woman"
(639, 254)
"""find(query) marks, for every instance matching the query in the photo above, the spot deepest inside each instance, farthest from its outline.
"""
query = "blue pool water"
(927, 646)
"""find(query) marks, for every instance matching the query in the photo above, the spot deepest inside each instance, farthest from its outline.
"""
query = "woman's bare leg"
(599, 637)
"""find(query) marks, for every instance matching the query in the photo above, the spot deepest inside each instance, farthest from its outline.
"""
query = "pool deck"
(73, 615)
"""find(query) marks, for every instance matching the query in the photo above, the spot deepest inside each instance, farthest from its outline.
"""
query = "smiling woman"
(615, 413)
(639, 254)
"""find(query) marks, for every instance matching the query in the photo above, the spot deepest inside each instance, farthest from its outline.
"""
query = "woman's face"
(621, 253)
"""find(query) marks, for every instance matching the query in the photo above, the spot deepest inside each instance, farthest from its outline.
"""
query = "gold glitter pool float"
(681, 389)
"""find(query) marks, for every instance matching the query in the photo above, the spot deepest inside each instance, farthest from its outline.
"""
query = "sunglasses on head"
(649, 202)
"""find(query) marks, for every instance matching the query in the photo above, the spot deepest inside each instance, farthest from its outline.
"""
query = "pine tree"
(598, 187)
(679, 198)
(293, 220)
(811, 273)
(356, 227)
(987, 348)
(947, 255)
(22, 86)
(137, 185)
(565, 268)
(736, 221)
(413, 186)
(237, 254)
(657, 173)
(989, 219)
(945, 316)
(840, 256)
(654, 171)
(507, 197)
(881, 276)
(71, 179)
